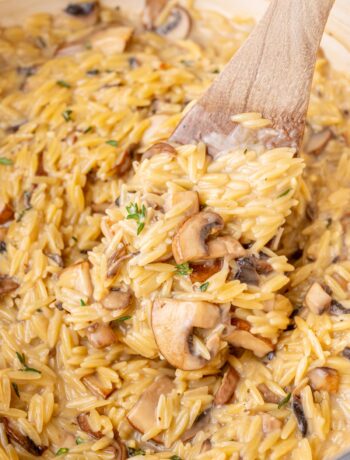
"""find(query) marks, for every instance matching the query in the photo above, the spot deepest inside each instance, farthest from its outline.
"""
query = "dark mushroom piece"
(124, 161)
(199, 424)
(115, 260)
(299, 414)
(336, 309)
(228, 386)
(201, 272)
(189, 243)
(318, 141)
(84, 425)
(156, 149)
(6, 213)
(14, 435)
(116, 299)
(101, 335)
(317, 299)
(177, 25)
(249, 268)
(7, 284)
(268, 395)
(324, 378)
(93, 383)
(239, 335)
(80, 9)
(346, 352)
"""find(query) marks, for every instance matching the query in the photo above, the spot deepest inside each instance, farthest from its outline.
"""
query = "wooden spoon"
(271, 74)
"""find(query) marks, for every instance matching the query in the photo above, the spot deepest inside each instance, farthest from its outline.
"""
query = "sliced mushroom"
(84, 425)
(249, 268)
(124, 162)
(14, 435)
(6, 213)
(7, 284)
(206, 446)
(199, 424)
(228, 386)
(80, 9)
(189, 243)
(224, 246)
(270, 423)
(93, 383)
(77, 277)
(156, 149)
(336, 308)
(245, 339)
(189, 197)
(115, 260)
(299, 414)
(318, 141)
(143, 414)
(317, 299)
(173, 322)
(324, 378)
(116, 299)
(177, 25)
(346, 352)
(268, 395)
(110, 40)
(152, 10)
(201, 272)
(101, 335)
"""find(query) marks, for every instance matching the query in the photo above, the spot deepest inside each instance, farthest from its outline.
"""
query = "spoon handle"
(271, 73)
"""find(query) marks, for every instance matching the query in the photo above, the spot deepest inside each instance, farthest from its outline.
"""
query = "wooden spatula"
(271, 74)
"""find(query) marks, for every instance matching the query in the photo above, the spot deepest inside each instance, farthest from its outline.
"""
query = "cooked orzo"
(156, 302)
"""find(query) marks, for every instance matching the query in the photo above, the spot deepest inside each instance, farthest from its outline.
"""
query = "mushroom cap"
(77, 277)
(116, 300)
(228, 386)
(178, 24)
(143, 414)
(245, 339)
(101, 335)
(189, 243)
(225, 246)
(173, 322)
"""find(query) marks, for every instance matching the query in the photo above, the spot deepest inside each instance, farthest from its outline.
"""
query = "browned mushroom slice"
(152, 10)
(143, 414)
(199, 425)
(298, 410)
(324, 378)
(224, 246)
(111, 40)
(177, 25)
(270, 423)
(245, 339)
(268, 395)
(115, 260)
(189, 243)
(318, 141)
(336, 308)
(173, 322)
(84, 425)
(156, 149)
(7, 284)
(93, 383)
(317, 299)
(116, 299)
(346, 352)
(101, 335)
(77, 277)
(100, 208)
(6, 213)
(249, 268)
(201, 272)
(228, 386)
(124, 161)
(14, 435)
(187, 197)
(86, 12)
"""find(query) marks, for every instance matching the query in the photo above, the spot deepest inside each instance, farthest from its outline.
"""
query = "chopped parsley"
(183, 269)
(284, 193)
(203, 287)
(112, 142)
(88, 129)
(79, 440)
(67, 115)
(21, 358)
(62, 451)
(6, 161)
(15, 388)
(82, 303)
(284, 401)
(175, 457)
(123, 318)
(63, 83)
(133, 452)
(137, 214)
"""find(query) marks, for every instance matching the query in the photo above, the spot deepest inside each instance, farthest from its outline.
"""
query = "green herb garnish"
(6, 161)
(183, 269)
(284, 401)
(79, 440)
(67, 115)
(133, 452)
(63, 83)
(175, 457)
(15, 388)
(203, 287)
(88, 129)
(62, 451)
(284, 193)
(112, 142)
(82, 303)
(21, 358)
(137, 214)
(123, 318)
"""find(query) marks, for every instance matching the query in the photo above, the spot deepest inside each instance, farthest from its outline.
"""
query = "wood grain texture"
(271, 73)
